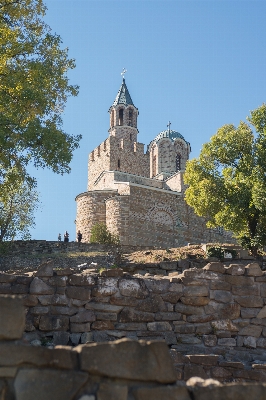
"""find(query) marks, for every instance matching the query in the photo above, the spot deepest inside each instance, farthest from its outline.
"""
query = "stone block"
(83, 316)
(86, 337)
(29, 300)
(16, 354)
(200, 318)
(215, 267)
(106, 287)
(210, 340)
(79, 293)
(43, 384)
(224, 325)
(114, 272)
(75, 338)
(249, 312)
(131, 315)
(81, 280)
(201, 274)
(19, 289)
(196, 291)
(228, 342)
(168, 316)
(61, 310)
(162, 393)
(263, 290)
(168, 265)
(184, 328)
(194, 370)
(262, 313)
(235, 269)
(60, 281)
(112, 391)
(120, 358)
(45, 269)
(60, 338)
(188, 339)
(261, 342)
(38, 286)
(246, 290)
(203, 359)
(221, 296)
(195, 301)
(153, 303)
(53, 323)
(78, 328)
(253, 269)
(239, 280)
(59, 300)
(249, 301)
(7, 278)
(131, 326)
(12, 317)
(157, 285)
(220, 373)
(189, 310)
(39, 310)
(5, 288)
(102, 325)
(159, 326)
(250, 342)
(103, 307)
(8, 372)
(103, 316)
(231, 391)
(171, 297)
(251, 330)
(220, 285)
(203, 328)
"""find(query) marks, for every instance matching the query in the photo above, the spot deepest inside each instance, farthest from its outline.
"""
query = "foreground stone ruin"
(118, 370)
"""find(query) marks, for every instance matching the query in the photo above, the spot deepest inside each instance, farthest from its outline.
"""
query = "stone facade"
(140, 196)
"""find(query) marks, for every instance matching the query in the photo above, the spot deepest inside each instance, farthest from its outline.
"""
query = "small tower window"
(92, 155)
(118, 163)
(153, 166)
(130, 136)
(121, 112)
(99, 151)
(178, 162)
(130, 118)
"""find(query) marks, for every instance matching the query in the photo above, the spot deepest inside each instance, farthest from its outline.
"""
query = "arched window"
(121, 112)
(178, 162)
(153, 166)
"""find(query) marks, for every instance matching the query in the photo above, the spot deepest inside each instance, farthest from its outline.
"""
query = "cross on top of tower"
(123, 72)
(169, 126)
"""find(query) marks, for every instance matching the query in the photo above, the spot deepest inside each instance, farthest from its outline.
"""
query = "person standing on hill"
(79, 236)
(66, 237)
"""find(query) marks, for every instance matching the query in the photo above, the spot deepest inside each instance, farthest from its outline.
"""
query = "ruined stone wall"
(120, 370)
(215, 310)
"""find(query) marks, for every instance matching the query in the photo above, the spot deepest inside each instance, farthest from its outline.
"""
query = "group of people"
(66, 237)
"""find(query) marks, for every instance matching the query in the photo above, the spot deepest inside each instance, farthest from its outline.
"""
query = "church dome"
(168, 134)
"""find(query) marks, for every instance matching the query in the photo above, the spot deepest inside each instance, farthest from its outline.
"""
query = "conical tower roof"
(123, 96)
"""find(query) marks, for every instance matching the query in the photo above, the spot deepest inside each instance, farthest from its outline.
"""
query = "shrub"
(100, 234)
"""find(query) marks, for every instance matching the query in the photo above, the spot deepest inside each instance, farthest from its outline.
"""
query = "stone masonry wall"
(215, 310)
(120, 370)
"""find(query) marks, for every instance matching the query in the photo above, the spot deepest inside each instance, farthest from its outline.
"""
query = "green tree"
(100, 234)
(34, 88)
(227, 181)
(17, 211)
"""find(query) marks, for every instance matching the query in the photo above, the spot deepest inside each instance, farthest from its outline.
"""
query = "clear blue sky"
(199, 64)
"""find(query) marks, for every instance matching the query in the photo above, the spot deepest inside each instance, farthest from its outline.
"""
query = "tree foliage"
(17, 211)
(227, 182)
(33, 91)
(100, 234)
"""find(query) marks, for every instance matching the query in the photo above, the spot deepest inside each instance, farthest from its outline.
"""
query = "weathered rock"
(249, 301)
(153, 303)
(83, 316)
(105, 316)
(188, 339)
(195, 301)
(210, 340)
(239, 280)
(167, 316)
(182, 327)
(215, 267)
(38, 286)
(102, 325)
(159, 326)
(231, 342)
(53, 323)
(194, 370)
(78, 328)
(131, 315)
(112, 391)
(45, 269)
(81, 280)
(131, 326)
(16, 354)
(224, 325)
(162, 393)
(123, 301)
(114, 272)
(251, 330)
(79, 293)
(86, 337)
(250, 342)
(249, 312)
(39, 310)
(203, 359)
(103, 307)
(60, 281)
(106, 287)
(220, 285)
(75, 338)
(171, 297)
(196, 291)
(29, 300)
(126, 359)
(12, 317)
(168, 265)
(61, 310)
(19, 289)
(221, 296)
(246, 290)
(253, 269)
(31, 384)
(157, 285)
(60, 338)
(232, 391)
(219, 372)
(262, 313)
(189, 310)
(235, 269)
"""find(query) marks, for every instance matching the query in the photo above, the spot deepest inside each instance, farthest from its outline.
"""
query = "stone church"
(140, 195)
